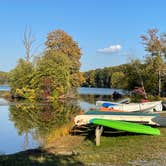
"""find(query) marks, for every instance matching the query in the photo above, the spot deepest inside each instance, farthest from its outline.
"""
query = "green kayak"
(126, 126)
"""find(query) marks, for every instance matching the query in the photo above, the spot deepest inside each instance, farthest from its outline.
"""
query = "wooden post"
(98, 133)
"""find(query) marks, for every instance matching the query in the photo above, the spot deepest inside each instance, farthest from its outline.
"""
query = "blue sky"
(106, 30)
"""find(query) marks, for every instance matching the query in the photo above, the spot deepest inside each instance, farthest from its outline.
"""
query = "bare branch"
(28, 40)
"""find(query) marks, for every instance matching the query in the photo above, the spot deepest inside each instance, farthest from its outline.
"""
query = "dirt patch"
(64, 145)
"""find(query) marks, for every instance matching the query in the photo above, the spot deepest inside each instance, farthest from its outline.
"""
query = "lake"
(27, 126)
(4, 88)
(99, 91)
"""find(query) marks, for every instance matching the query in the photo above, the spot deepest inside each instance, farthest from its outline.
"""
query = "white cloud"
(111, 49)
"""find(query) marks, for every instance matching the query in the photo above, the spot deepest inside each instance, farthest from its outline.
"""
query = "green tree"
(21, 75)
(90, 79)
(118, 80)
(60, 41)
(155, 45)
(151, 74)
(135, 74)
(52, 76)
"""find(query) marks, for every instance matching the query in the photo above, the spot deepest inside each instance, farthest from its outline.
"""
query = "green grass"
(123, 150)
(116, 149)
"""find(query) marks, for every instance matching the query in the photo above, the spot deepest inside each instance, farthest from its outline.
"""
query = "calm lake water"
(99, 91)
(4, 88)
(27, 126)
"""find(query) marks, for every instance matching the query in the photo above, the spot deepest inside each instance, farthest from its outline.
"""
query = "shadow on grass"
(107, 132)
(38, 158)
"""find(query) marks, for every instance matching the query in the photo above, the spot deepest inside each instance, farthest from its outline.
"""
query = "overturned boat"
(155, 106)
(122, 116)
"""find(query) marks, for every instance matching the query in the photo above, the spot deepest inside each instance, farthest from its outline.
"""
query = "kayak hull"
(126, 126)
(85, 119)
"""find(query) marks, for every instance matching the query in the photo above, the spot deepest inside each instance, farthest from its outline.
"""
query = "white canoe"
(125, 100)
(144, 107)
(85, 119)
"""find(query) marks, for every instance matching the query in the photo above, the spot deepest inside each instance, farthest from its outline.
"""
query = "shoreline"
(115, 149)
(128, 150)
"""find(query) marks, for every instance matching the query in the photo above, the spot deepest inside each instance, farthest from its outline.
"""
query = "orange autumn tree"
(60, 41)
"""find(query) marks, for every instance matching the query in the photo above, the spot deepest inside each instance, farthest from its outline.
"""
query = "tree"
(138, 74)
(28, 42)
(21, 75)
(89, 79)
(156, 46)
(118, 80)
(151, 71)
(52, 76)
(60, 41)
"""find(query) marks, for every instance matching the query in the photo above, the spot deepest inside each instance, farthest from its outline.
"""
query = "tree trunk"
(142, 84)
(159, 83)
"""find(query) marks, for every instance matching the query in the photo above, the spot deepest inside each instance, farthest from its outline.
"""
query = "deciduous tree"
(21, 75)
(118, 80)
(155, 45)
(60, 41)
(52, 76)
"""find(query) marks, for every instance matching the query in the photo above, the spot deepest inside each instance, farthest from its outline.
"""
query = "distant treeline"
(122, 76)
(129, 76)
(3, 78)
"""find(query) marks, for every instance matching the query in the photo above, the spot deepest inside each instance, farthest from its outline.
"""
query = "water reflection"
(26, 126)
(40, 120)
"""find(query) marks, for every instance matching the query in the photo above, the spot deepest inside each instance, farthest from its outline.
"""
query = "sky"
(107, 31)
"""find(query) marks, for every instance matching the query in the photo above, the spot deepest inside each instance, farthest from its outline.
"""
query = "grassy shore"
(115, 149)
(125, 150)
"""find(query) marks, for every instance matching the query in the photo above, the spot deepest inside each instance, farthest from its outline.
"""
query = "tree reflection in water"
(40, 120)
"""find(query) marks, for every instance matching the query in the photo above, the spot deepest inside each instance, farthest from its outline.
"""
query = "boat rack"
(92, 130)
